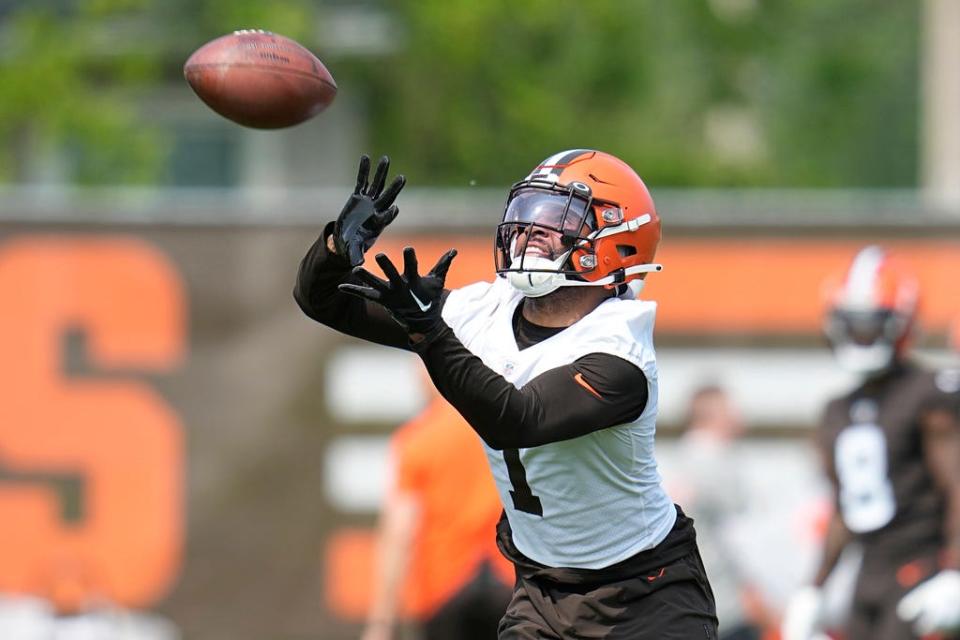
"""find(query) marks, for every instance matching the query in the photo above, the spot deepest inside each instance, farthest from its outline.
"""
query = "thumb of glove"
(355, 254)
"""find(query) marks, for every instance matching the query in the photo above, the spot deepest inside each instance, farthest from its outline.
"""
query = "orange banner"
(718, 286)
(90, 466)
(94, 377)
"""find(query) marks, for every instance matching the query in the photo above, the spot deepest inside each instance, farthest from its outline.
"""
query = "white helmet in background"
(871, 310)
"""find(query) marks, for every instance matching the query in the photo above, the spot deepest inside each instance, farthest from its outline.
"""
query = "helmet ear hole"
(625, 250)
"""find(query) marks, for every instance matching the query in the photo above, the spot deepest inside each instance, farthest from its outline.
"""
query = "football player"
(892, 451)
(553, 366)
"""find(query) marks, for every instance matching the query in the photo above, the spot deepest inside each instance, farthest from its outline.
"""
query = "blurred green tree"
(700, 93)
(692, 93)
(74, 74)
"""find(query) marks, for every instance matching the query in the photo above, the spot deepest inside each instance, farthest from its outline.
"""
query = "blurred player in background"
(30, 618)
(553, 366)
(892, 450)
(707, 478)
(437, 551)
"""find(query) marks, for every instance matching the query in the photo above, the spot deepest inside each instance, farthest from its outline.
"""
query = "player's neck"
(882, 377)
(564, 306)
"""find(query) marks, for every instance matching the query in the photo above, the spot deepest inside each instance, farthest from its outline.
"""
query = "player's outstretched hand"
(802, 618)
(368, 211)
(933, 606)
(413, 300)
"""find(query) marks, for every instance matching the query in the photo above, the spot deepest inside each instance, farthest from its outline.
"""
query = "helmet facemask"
(546, 234)
(866, 341)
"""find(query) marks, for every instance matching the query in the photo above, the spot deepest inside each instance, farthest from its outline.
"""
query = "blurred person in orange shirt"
(437, 555)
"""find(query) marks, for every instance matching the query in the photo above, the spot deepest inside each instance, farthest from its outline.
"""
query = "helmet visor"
(543, 223)
(864, 328)
(565, 212)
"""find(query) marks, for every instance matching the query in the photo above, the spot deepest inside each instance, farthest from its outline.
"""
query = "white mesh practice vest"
(600, 494)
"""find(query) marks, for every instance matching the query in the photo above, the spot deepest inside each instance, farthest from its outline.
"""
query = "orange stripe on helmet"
(876, 280)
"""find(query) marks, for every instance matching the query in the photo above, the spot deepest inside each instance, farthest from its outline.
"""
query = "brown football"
(260, 79)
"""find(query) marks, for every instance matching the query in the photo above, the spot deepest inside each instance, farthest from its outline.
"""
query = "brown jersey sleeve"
(944, 393)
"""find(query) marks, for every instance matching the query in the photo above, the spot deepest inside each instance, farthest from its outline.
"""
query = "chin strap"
(865, 360)
(615, 278)
(537, 284)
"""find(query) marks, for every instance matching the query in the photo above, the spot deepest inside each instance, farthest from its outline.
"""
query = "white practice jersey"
(600, 494)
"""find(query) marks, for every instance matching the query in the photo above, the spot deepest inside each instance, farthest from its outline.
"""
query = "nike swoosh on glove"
(933, 606)
(413, 300)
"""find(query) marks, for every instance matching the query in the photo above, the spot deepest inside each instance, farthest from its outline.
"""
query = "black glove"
(412, 300)
(368, 211)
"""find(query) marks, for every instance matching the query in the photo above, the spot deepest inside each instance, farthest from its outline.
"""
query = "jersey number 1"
(523, 498)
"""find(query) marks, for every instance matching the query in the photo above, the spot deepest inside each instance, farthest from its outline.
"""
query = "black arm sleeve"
(317, 294)
(594, 392)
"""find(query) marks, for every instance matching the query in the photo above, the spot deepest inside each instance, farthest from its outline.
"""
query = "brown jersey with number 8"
(873, 441)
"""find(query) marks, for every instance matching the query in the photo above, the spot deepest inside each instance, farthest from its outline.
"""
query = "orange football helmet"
(871, 312)
(606, 219)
